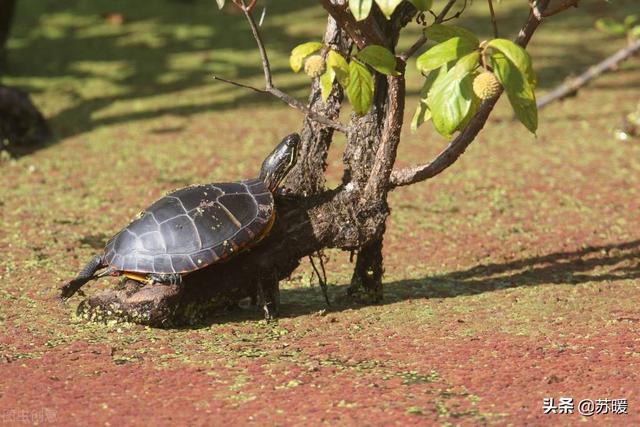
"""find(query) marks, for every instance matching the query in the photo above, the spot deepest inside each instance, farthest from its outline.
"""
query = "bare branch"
(456, 147)
(269, 86)
(447, 7)
(449, 155)
(572, 86)
(293, 102)
(566, 4)
(423, 38)
(494, 22)
(231, 82)
(240, 5)
(458, 14)
(263, 52)
(322, 279)
(414, 48)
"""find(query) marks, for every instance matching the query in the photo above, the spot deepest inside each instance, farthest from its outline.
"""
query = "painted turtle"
(193, 227)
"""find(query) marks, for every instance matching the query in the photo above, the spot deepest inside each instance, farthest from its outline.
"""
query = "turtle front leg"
(269, 297)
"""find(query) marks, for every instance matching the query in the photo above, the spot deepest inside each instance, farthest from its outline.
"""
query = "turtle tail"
(85, 275)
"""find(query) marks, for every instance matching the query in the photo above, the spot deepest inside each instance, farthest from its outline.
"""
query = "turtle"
(194, 227)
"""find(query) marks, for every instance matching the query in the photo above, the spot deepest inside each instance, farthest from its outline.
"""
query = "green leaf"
(340, 66)
(440, 33)
(610, 26)
(517, 55)
(635, 32)
(360, 8)
(302, 51)
(380, 58)
(326, 83)
(631, 20)
(422, 5)
(451, 97)
(388, 6)
(475, 104)
(423, 113)
(519, 90)
(440, 74)
(360, 88)
(220, 3)
(449, 50)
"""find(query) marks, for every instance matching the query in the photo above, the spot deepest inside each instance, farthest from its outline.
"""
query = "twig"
(321, 279)
(447, 7)
(458, 14)
(269, 86)
(231, 82)
(423, 38)
(456, 147)
(494, 22)
(263, 52)
(241, 5)
(566, 4)
(569, 87)
(324, 271)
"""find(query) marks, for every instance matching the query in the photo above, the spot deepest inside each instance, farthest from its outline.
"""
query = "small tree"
(357, 63)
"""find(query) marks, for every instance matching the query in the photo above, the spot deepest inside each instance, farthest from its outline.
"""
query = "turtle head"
(278, 164)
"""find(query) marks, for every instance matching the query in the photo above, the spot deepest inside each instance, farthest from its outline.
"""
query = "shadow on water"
(177, 45)
(620, 261)
(174, 46)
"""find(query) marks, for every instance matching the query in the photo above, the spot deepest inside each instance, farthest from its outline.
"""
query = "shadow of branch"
(619, 261)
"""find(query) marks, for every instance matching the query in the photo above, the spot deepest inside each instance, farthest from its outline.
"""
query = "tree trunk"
(366, 282)
(307, 177)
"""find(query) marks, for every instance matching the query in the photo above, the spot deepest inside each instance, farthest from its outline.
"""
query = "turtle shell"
(193, 227)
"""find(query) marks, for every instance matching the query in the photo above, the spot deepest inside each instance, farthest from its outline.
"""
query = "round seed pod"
(486, 85)
(314, 66)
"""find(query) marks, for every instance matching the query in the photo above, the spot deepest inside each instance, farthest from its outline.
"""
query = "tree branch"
(569, 87)
(423, 38)
(566, 4)
(458, 14)
(242, 85)
(449, 155)
(456, 147)
(535, 9)
(378, 181)
(494, 22)
(269, 86)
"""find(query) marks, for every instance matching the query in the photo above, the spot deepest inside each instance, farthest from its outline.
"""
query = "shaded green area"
(89, 69)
